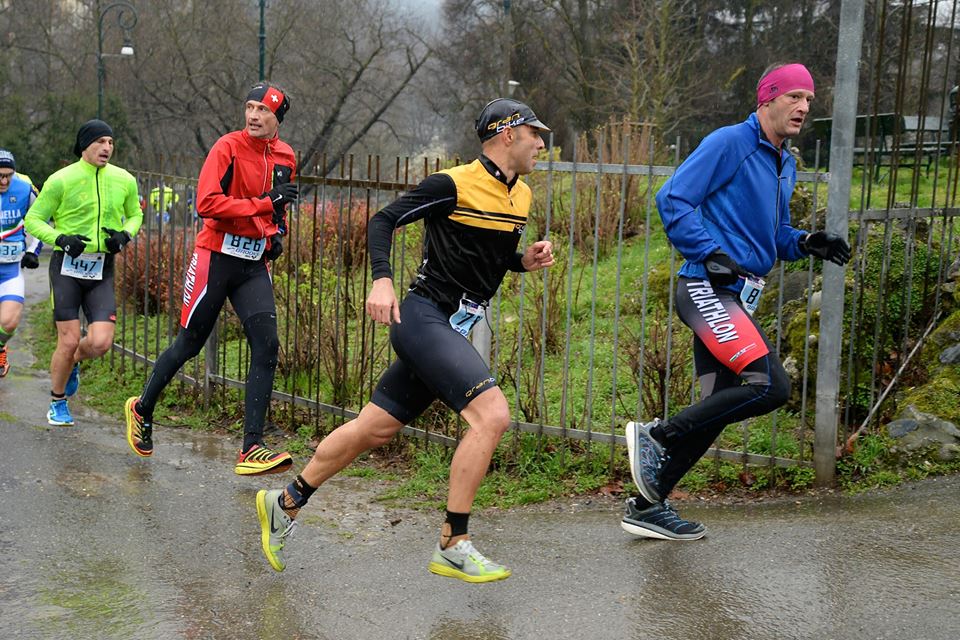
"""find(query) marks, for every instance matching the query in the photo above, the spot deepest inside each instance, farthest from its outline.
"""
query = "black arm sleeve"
(436, 195)
(516, 263)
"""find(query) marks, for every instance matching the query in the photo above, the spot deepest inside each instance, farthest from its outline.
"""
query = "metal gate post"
(830, 343)
(210, 364)
(481, 338)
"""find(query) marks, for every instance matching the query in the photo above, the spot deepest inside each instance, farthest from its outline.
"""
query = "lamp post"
(126, 20)
(262, 38)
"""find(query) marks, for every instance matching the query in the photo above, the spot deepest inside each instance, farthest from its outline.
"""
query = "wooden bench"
(880, 138)
(873, 137)
(926, 140)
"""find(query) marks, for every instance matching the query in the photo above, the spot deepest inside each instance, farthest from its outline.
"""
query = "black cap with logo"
(501, 113)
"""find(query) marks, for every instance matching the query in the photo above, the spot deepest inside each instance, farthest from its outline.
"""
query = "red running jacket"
(231, 190)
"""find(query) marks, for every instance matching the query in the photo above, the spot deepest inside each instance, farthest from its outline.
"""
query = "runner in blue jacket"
(732, 194)
(727, 211)
(16, 249)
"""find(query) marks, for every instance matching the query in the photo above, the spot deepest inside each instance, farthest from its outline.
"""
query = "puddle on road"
(86, 483)
(92, 600)
(476, 629)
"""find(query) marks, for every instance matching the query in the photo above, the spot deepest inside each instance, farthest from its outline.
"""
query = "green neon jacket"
(82, 199)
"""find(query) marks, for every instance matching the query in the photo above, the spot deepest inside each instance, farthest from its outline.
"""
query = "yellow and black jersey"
(473, 221)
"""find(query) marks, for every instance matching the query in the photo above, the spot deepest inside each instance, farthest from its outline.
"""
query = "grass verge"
(526, 468)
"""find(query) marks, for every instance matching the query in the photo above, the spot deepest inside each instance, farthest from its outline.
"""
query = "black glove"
(73, 245)
(280, 195)
(116, 240)
(826, 246)
(275, 250)
(30, 260)
(722, 270)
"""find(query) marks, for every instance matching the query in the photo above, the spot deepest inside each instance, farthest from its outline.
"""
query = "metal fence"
(583, 347)
(578, 349)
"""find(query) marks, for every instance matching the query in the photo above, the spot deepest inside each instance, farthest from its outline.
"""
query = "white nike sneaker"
(275, 526)
(464, 562)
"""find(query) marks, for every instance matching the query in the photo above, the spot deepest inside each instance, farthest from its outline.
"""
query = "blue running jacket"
(729, 194)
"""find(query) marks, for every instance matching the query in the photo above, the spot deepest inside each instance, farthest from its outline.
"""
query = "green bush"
(525, 469)
(888, 306)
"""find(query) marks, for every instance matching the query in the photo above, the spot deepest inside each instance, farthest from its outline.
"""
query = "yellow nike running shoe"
(139, 431)
(464, 562)
(275, 526)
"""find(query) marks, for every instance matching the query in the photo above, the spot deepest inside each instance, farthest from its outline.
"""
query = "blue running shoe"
(646, 459)
(59, 414)
(660, 521)
(73, 382)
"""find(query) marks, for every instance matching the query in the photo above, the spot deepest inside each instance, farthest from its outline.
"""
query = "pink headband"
(783, 80)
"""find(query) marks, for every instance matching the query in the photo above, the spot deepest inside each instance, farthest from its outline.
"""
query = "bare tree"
(653, 54)
(348, 67)
(365, 61)
(687, 66)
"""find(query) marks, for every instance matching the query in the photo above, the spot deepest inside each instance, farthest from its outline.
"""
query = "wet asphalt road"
(96, 543)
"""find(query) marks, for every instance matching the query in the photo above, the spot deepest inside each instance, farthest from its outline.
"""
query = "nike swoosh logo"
(458, 565)
(273, 527)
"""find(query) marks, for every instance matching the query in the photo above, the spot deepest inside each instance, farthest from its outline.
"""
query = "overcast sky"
(424, 7)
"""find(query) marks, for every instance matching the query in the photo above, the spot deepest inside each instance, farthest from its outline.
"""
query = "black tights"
(261, 332)
(725, 400)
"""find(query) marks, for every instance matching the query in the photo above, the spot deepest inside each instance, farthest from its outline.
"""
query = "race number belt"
(750, 294)
(466, 316)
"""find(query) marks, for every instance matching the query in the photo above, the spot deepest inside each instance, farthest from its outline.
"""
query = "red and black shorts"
(720, 322)
(212, 278)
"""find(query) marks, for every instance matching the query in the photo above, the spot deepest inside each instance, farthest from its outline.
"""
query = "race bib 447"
(86, 266)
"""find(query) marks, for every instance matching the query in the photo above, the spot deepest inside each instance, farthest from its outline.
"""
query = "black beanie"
(272, 96)
(91, 131)
(7, 161)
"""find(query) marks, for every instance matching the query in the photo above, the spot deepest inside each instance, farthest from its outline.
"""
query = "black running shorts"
(434, 361)
(69, 294)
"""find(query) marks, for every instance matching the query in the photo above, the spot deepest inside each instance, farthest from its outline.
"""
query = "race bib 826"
(242, 247)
